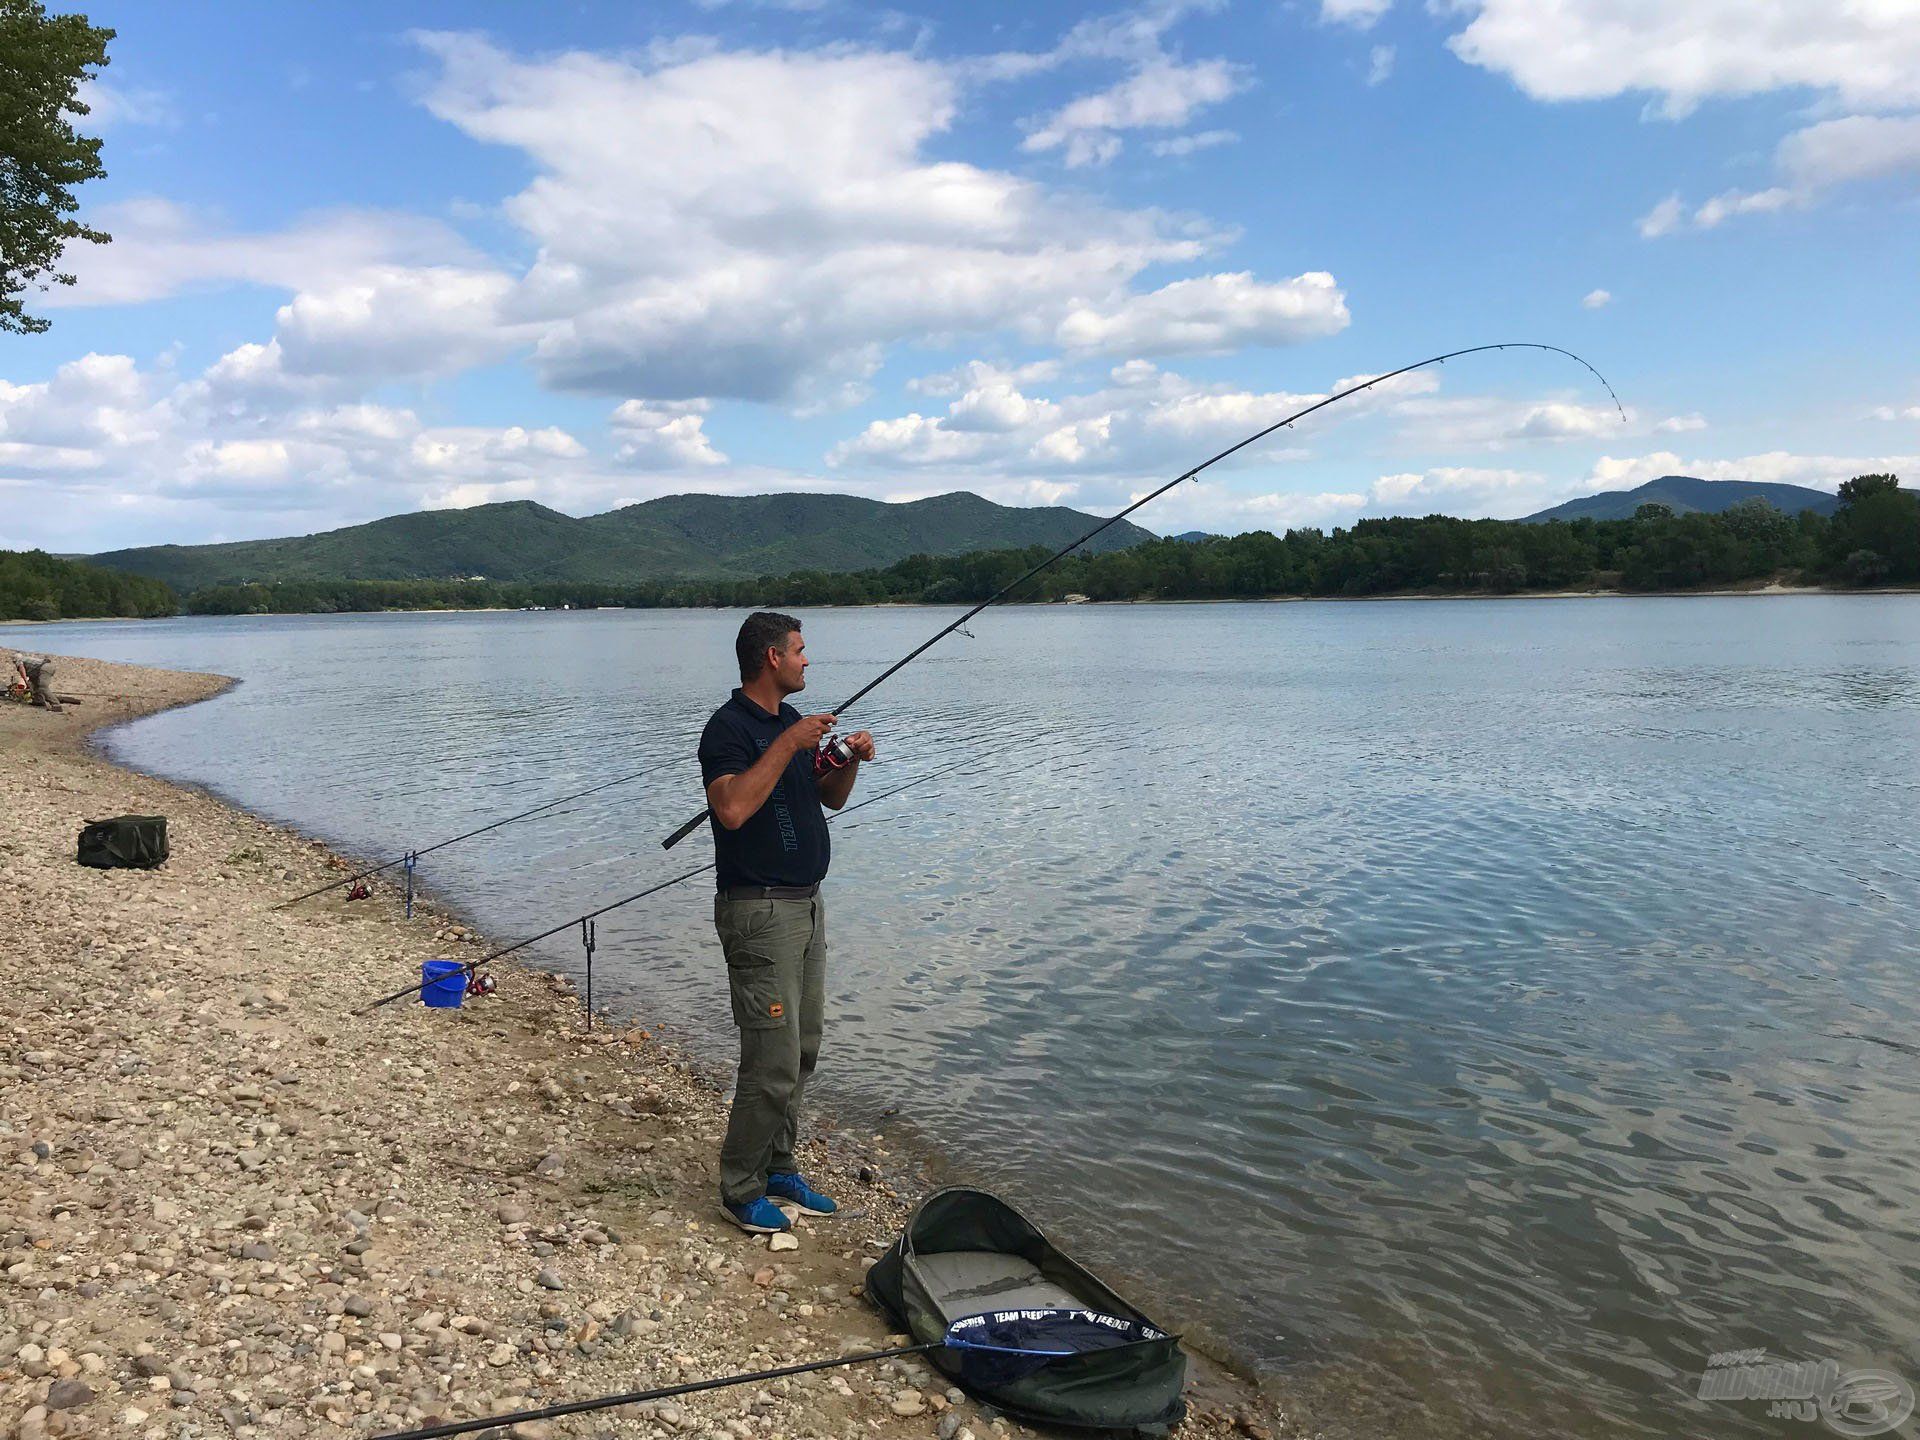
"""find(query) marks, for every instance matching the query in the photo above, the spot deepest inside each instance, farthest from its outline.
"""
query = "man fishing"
(765, 788)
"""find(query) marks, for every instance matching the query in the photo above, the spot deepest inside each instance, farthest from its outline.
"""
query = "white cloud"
(1361, 14)
(1819, 472)
(1663, 219)
(1144, 421)
(1866, 53)
(1161, 95)
(764, 226)
(1210, 312)
(1821, 157)
(1466, 491)
(1487, 422)
(110, 106)
(1380, 64)
(161, 249)
(1894, 412)
(1680, 424)
(401, 321)
(663, 436)
(1595, 299)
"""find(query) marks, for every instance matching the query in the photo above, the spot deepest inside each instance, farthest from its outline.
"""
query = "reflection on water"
(1481, 1011)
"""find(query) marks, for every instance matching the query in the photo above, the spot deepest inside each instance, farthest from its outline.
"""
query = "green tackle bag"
(1023, 1328)
(131, 842)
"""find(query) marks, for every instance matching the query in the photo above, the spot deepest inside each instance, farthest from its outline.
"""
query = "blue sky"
(369, 259)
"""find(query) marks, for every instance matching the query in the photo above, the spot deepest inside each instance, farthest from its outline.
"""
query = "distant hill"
(677, 535)
(1194, 537)
(1684, 493)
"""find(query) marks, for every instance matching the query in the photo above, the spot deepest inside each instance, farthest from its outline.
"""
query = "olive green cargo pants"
(777, 974)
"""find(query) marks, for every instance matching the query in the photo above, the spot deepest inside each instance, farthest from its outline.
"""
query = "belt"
(769, 892)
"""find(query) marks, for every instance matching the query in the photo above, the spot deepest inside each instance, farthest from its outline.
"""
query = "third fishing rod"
(687, 829)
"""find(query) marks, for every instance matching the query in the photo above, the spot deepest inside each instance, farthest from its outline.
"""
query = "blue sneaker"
(760, 1216)
(788, 1186)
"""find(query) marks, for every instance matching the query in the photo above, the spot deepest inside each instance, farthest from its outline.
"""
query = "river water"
(1476, 1013)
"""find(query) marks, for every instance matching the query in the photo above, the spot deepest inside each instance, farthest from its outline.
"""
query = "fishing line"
(484, 829)
(687, 829)
(474, 965)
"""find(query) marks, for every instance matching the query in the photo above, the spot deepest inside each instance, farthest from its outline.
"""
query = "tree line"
(1873, 539)
(36, 586)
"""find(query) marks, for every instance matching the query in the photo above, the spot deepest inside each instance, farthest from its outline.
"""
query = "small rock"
(256, 1251)
(763, 1276)
(391, 1340)
(66, 1394)
(500, 1355)
(359, 1305)
(949, 1423)
(783, 1241)
(908, 1402)
(547, 1280)
(510, 1213)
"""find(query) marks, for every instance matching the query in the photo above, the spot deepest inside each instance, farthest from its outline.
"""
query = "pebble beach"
(231, 1206)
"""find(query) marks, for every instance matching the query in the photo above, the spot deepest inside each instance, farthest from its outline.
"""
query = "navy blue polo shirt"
(784, 842)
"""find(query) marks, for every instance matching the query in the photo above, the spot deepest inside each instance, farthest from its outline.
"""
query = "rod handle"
(685, 830)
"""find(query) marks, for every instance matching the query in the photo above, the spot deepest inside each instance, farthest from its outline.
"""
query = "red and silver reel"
(478, 984)
(836, 754)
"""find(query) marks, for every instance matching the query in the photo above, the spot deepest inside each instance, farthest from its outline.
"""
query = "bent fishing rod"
(687, 829)
(492, 955)
(482, 830)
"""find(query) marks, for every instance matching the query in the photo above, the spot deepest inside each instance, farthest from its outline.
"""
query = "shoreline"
(238, 1206)
(1769, 590)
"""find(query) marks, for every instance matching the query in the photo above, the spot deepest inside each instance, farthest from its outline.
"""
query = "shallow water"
(1478, 1011)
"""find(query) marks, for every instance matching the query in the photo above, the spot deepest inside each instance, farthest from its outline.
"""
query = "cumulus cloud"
(764, 226)
(1142, 421)
(1161, 95)
(1210, 312)
(1595, 299)
(1867, 55)
(657, 436)
(113, 453)
(1380, 64)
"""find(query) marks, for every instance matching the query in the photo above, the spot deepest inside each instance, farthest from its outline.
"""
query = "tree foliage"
(36, 586)
(43, 59)
(1874, 539)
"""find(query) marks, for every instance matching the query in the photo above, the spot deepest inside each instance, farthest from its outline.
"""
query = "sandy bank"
(231, 1207)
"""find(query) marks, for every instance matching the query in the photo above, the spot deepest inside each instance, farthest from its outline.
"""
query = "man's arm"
(837, 785)
(736, 799)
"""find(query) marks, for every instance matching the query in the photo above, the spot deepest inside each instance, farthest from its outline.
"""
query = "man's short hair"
(759, 630)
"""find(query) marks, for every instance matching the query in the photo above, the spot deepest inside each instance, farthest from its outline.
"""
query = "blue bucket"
(443, 983)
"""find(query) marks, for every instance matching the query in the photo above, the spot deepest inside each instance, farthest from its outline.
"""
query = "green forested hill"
(37, 586)
(678, 535)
